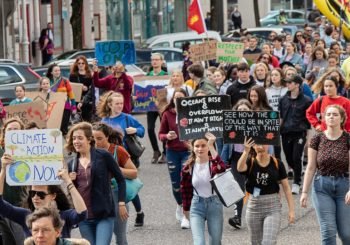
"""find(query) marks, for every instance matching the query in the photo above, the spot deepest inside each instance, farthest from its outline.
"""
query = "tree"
(76, 22)
(256, 13)
(12, 148)
(55, 134)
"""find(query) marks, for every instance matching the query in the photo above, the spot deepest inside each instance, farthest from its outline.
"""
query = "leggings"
(151, 125)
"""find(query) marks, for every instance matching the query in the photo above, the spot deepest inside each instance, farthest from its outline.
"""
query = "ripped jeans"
(175, 160)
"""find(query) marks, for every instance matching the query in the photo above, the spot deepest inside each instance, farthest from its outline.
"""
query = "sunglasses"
(40, 194)
(81, 63)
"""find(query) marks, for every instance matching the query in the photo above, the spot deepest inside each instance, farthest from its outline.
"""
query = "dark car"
(12, 74)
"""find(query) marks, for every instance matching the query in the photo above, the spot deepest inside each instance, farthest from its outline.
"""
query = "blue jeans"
(219, 145)
(97, 231)
(333, 214)
(120, 226)
(210, 210)
(175, 160)
(226, 153)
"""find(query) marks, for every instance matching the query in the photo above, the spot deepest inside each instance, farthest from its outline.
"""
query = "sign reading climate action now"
(262, 126)
(198, 115)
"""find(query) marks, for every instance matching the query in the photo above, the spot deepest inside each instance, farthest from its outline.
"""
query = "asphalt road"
(161, 227)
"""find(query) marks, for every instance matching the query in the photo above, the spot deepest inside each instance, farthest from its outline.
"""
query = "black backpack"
(6, 234)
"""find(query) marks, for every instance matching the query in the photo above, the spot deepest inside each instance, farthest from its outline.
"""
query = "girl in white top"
(277, 88)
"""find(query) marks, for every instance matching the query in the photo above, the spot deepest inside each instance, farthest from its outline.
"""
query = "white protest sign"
(37, 155)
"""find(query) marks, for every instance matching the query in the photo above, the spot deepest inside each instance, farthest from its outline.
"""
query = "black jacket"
(103, 169)
(239, 91)
(293, 113)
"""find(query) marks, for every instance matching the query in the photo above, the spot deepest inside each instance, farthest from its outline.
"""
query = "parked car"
(72, 55)
(262, 33)
(12, 74)
(295, 17)
(176, 40)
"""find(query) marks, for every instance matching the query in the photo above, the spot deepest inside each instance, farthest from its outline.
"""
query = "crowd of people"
(306, 78)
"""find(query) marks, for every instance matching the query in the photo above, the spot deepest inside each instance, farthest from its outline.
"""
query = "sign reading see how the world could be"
(262, 126)
(37, 156)
(198, 115)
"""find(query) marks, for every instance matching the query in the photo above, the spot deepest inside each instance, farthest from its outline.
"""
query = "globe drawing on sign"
(19, 172)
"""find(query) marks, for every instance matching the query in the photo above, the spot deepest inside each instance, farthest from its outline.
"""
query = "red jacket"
(123, 85)
(317, 107)
(186, 180)
(168, 123)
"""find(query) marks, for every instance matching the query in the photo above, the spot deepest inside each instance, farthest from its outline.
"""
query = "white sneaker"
(295, 189)
(185, 223)
(179, 213)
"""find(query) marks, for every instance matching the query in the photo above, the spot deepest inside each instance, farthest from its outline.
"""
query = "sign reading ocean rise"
(37, 156)
(201, 114)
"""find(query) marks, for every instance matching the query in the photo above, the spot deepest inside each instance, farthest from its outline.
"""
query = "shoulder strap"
(320, 103)
(127, 120)
(115, 154)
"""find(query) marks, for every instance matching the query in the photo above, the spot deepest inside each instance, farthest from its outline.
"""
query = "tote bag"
(227, 188)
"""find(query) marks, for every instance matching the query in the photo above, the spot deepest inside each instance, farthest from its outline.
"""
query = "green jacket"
(207, 86)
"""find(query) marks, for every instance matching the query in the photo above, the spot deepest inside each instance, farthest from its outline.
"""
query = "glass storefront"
(149, 18)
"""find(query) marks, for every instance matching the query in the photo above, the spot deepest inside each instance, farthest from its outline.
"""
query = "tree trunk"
(75, 21)
(256, 13)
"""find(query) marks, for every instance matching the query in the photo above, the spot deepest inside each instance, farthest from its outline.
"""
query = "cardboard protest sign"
(198, 115)
(145, 90)
(108, 53)
(262, 126)
(251, 58)
(203, 51)
(54, 107)
(33, 111)
(54, 110)
(162, 98)
(77, 90)
(37, 156)
(229, 52)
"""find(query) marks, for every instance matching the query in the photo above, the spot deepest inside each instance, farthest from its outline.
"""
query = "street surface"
(161, 227)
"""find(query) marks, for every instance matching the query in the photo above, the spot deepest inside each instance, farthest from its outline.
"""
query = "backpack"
(6, 233)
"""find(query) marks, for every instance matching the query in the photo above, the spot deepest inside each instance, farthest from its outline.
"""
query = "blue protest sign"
(108, 53)
(145, 90)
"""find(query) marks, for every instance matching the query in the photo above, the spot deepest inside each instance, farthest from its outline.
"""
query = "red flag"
(195, 18)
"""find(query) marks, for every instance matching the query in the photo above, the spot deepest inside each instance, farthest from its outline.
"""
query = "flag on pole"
(195, 18)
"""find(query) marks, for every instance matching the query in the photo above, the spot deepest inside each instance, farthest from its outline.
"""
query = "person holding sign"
(21, 98)
(44, 196)
(294, 126)
(328, 171)
(198, 197)
(118, 81)
(61, 84)
(264, 174)
(176, 152)
(91, 172)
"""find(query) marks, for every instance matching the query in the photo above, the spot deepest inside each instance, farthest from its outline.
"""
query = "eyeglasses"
(40, 194)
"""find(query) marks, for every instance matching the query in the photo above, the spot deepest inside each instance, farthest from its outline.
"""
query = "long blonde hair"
(171, 83)
(317, 88)
(103, 107)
